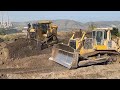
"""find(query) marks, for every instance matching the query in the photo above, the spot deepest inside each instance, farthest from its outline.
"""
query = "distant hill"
(62, 24)
(67, 25)
(105, 24)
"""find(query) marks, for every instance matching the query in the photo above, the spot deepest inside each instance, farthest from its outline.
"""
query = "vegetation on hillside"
(2, 31)
(9, 31)
(92, 26)
(115, 32)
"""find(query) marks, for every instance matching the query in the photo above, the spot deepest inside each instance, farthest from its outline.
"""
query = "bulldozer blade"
(65, 55)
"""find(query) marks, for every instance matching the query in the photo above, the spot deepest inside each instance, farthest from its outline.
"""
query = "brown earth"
(91, 72)
(42, 68)
(34, 64)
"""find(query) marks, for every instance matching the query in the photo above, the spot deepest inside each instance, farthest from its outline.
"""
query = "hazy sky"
(82, 16)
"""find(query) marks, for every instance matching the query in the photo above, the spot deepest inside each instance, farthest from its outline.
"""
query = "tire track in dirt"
(91, 72)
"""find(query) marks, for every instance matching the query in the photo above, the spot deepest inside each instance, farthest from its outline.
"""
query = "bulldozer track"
(101, 52)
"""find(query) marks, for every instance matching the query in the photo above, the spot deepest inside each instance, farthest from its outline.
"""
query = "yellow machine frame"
(84, 49)
(96, 46)
(52, 30)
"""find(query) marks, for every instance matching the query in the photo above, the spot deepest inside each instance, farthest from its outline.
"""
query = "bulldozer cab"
(43, 29)
(102, 38)
(46, 29)
(44, 26)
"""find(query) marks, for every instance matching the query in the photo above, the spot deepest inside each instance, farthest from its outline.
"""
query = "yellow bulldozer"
(87, 48)
(40, 35)
(43, 32)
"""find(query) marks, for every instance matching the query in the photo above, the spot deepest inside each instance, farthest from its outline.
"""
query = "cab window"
(105, 34)
(93, 34)
(99, 37)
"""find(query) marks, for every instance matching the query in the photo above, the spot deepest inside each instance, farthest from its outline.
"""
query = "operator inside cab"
(44, 28)
(32, 30)
(29, 26)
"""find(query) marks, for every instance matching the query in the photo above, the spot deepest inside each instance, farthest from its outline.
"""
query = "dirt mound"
(38, 62)
(19, 48)
(22, 47)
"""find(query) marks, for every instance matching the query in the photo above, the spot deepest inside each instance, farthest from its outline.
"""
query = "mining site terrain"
(36, 65)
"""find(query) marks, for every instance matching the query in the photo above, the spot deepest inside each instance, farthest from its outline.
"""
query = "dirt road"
(91, 72)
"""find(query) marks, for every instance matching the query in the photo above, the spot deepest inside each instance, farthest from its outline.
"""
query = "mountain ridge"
(66, 24)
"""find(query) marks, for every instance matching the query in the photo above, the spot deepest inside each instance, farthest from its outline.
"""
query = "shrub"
(2, 31)
(115, 31)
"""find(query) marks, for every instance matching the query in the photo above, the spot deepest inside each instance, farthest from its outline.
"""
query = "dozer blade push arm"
(71, 38)
(80, 42)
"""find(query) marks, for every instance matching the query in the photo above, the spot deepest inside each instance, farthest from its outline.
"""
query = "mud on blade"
(65, 55)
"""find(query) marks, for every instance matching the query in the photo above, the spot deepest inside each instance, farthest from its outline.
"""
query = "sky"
(81, 16)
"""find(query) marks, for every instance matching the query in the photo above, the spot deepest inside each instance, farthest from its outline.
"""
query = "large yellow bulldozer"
(87, 48)
(40, 35)
(43, 32)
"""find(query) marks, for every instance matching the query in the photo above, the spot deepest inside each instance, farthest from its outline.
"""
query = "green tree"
(92, 26)
(115, 32)
(2, 31)
(118, 34)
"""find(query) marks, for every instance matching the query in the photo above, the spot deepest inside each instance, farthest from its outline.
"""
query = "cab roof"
(101, 29)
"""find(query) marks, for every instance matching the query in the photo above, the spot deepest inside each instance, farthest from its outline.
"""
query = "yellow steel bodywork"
(84, 48)
(83, 51)
(32, 30)
(100, 47)
(40, 35)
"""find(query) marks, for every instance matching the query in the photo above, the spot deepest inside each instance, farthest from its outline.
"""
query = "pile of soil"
(19, 48)
(22, 47)
(40, 62)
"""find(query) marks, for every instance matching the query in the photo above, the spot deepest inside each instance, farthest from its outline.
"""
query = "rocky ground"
(37, 66)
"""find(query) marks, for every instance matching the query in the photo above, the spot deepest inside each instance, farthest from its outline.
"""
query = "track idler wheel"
(112, 60)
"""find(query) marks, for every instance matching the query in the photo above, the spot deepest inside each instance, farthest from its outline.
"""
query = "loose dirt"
(34, 64)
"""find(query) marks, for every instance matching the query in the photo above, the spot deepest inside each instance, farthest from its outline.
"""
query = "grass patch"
(10, 37)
